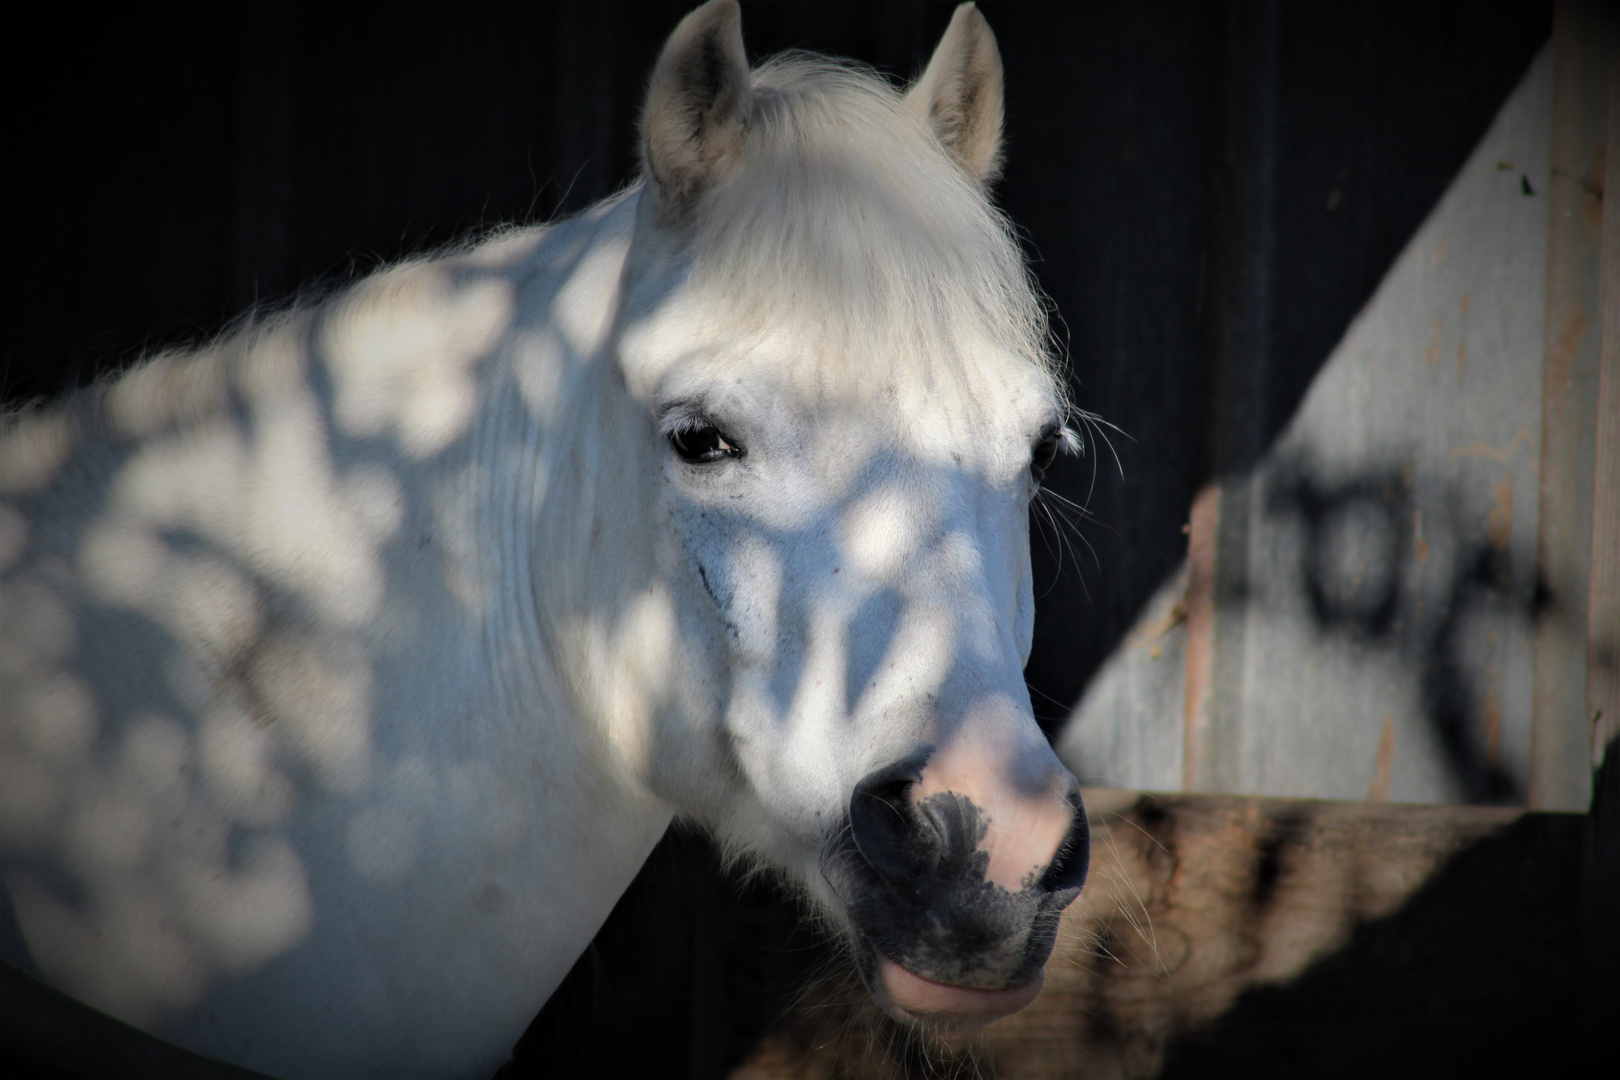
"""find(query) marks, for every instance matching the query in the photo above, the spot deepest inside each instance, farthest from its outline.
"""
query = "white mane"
(842, 208)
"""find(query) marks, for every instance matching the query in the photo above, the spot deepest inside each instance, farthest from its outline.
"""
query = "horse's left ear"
(960, 94)
(698, 105)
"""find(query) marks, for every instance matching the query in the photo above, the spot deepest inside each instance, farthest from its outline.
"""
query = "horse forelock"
(847, 224)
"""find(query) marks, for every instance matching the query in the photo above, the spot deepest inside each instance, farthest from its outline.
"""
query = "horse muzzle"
(954, 893)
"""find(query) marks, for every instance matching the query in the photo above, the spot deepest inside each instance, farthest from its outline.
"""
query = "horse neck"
(573, 515)
(481, 390)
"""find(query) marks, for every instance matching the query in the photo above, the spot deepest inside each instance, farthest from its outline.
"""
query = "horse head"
(853, 403)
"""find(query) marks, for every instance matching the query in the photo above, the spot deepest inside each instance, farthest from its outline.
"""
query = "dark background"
(1209, 192)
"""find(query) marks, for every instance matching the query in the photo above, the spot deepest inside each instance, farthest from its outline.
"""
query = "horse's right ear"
(698, 106)
(959, 94)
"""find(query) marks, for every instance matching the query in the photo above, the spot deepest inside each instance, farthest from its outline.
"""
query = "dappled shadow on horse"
(354, 663)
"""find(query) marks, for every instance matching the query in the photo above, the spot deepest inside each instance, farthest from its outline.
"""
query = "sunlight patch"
(401, 350)
(34, 449)
(881, 531)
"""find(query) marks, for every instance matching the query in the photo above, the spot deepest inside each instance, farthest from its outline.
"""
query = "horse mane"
(845, 207)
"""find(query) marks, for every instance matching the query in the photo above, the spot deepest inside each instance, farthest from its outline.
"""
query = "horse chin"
(920, 1002)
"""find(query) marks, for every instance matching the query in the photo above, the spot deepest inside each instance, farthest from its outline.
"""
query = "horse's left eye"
(701, 443)
(1045, 452)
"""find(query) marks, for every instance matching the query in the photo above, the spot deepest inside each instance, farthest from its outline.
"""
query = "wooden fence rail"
(1217, 935)
(1267, 937)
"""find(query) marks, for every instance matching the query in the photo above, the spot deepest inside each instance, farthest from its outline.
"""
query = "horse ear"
(960, 94)
(698, 105)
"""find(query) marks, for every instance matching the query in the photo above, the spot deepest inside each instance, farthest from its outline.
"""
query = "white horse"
(353, 664)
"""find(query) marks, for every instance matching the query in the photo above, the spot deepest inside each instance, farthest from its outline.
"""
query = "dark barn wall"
(1209, 191)
(1171, 166)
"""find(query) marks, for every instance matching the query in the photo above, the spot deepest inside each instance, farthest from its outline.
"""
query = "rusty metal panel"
(1359, 617)
(1387, 572)
(1128, 723)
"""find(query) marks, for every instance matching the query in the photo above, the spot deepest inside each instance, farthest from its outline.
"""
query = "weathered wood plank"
(1224, 936)
(1603, 593)
(1561, 748)
(1601, 887)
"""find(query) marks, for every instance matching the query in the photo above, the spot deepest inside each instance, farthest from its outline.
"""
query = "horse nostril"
(1068, 867)
(889, 833)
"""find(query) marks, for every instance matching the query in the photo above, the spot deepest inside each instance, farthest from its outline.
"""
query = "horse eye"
(1045, 452)
(701, 443)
